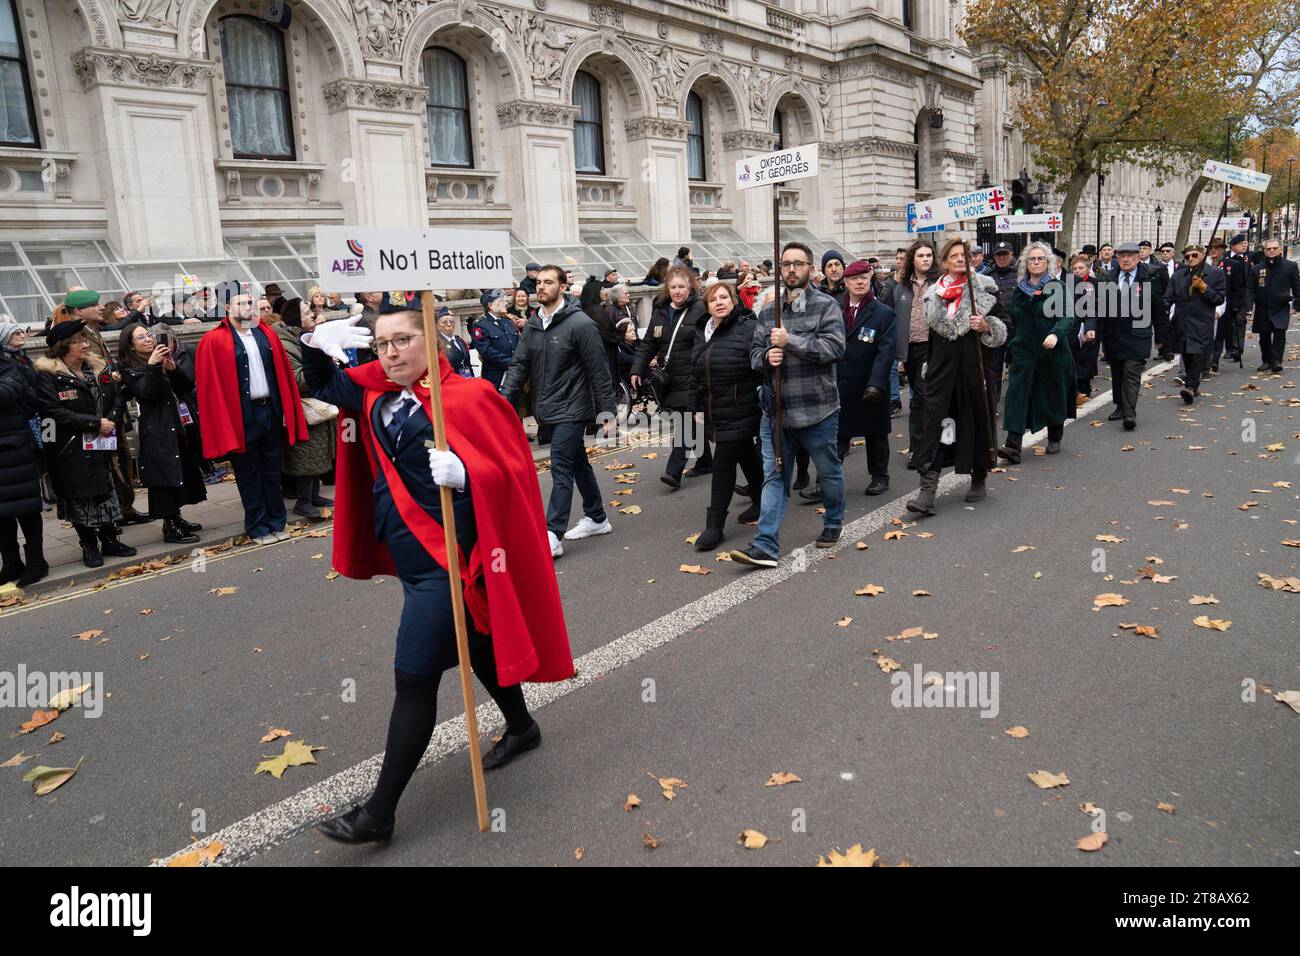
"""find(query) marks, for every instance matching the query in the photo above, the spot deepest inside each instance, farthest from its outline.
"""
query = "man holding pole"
(803, 352)
(395, 484)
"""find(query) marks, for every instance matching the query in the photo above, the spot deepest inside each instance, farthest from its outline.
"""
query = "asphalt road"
(722, 679)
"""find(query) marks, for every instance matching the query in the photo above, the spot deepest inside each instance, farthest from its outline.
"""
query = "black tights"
(33, 533)
(415, 713)
(726, 456)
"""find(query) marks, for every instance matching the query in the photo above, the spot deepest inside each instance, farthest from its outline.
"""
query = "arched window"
(588, 128)
(17, 115)
(695, 138)
(448, 109)
(257, 89)
(778, 127)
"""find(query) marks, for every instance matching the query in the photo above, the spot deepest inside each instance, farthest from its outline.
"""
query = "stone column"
(538, 142)
(380, 177)
(658, 183)
(151, 128)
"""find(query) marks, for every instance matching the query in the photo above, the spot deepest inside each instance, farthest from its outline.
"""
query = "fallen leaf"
(146, 611)
(911, 632)
(1110, 539)
(924, 534)
(1203, 599)
(276, 733)
(1017, 731)
(88, 635)
(723, 556)
(921, 593)
(844, 622)
(781, 777)
(861, 546)
(1211, 623)
(1146, 630)
(1289, 697)
(1279, 446)
(854, 857)
(331, 574)
(631, 802)
(650, 455)
(1166, 807)
(577, 854)
(295, 754)
(870, 590)
(1108, 600)
(1093, 841)
(1159, 502)
(669, 785)
(48, 779)
(1291, 543)
(694, 569)
(39, 719)
(1150, 573)
(630, 510)
(1181, 491)
(1152, 559)
(752, 840)
(1279, 584)
(1126, 448)
(142, 657)
(1090, 808)
(55, 738)
(650, 841)
(1023, 548)
(17, 759)
(1046, 781)
(1247, 504)
(222, 592)
(197, 857)
(895, 535)
(691, 539)
(66, 698)
(317, 557)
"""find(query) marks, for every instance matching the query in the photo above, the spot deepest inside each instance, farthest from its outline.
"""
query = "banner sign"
(1236, 175)
(378, 259)
(911, 221)
(1038, 222)
(976, 205)
(1238, 224)
(800, 162)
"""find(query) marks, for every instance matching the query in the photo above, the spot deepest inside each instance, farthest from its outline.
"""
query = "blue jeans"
(819, 441)
(257, 473)
(569, 464)
(894, 393)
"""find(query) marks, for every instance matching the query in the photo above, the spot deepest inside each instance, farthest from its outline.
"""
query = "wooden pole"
(449, 533)
(777, 287)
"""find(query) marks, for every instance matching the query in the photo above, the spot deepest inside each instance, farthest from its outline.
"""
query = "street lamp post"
(1101, 178)
(1159, 213)
(1286, 215)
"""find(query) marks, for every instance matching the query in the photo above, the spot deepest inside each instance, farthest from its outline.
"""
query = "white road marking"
(281, 821)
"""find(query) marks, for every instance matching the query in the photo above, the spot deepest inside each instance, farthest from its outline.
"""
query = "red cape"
(221, 414)
(509, 576)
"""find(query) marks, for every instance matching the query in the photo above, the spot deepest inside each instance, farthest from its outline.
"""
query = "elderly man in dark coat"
(1194, 293)
(1129, 304)
(1275, 288)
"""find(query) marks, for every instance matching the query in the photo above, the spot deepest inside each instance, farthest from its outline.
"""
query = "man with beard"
(804, 352)
(561, 353)
(1275, 290)
(1194, 293)
(833, 270)
(1229, 335)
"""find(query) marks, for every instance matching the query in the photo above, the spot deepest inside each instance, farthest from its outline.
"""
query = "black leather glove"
(872, 394)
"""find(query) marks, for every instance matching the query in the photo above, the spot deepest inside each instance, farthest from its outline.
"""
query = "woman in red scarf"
(388, 487)
(965, 320)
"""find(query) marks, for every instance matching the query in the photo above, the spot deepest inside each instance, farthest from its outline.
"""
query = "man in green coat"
(1041, 387)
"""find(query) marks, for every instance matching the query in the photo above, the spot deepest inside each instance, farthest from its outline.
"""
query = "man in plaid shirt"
(804, 353)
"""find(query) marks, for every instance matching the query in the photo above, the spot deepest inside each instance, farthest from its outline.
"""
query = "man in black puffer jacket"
(726, 389)
(670, 339)
(560, 351)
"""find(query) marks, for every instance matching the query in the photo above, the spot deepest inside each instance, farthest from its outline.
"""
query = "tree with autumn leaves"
(1120, 80)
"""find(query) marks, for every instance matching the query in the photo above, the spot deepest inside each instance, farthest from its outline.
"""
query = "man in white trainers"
(561, 351)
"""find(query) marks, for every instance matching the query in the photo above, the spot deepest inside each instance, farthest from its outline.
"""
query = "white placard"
(373, 258)
(782, 166)
(1038, 222)
(983, 202)
(1236, 175)
(1240, 224)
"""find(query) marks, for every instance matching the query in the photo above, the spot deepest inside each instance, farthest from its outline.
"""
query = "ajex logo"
(351, 267)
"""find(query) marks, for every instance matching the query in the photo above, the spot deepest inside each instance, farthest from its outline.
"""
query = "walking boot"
(750, 515)
(304, 506)
(173, 533)
(110, 546)
(319, 500)
(37, 567)
(1010, 449)
(978, 489)
(711, 536)
(923, 503)
(90, 555)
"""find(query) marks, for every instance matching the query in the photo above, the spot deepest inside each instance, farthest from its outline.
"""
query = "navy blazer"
(458, 356)
(268, 367)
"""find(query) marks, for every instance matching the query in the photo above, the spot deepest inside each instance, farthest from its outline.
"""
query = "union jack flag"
(997, 199)
(1054, 223)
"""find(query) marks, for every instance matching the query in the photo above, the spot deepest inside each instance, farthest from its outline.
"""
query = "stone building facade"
(141, 139)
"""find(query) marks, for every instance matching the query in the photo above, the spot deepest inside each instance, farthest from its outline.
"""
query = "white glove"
(447, 469)
(333, 337)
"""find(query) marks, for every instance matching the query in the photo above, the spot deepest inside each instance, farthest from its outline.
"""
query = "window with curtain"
(448, 109)
(778, 127)
(17, 115)
(695, 138)
(257, 89)
(588, 128)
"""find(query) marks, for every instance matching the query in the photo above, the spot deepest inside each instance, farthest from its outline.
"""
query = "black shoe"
(306, 509)
(1130, 424)
(1214, 369)
(878, 486)
(695, 471)
(321, 502)
(511, 746)
(709, 539)
(801, 481)
(750, 515)
(978, 488)
(895, 407)
(754, 557)
(134, 517)
(91, 557)
(1115, 416)
(1264, 367)
(12, 572)
(1010, 453)
(1276, 370)
(1187, 395)
(812, 494)
(35, 572)
(189, 527)
(110, 546)
(174, 534)
(742, 491)
(357, 826)
(911, 466)
(671, 481)
(829, 538)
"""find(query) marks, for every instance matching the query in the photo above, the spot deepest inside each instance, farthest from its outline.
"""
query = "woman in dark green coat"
(1041, 390)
